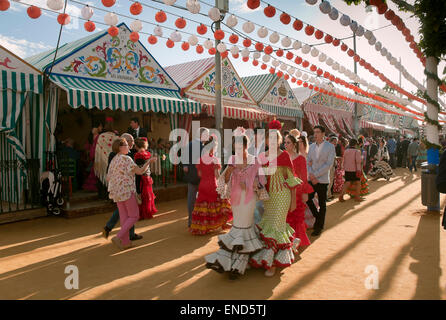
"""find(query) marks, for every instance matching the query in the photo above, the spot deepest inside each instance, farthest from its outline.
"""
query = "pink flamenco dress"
(296, 218)
(90, 183)
(147, 207)
(210, 211)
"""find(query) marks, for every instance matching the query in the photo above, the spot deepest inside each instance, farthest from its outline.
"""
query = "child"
(147, 206)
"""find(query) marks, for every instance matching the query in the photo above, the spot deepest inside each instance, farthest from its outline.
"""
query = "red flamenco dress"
(296, 218)
(210, 211)
(147, 207)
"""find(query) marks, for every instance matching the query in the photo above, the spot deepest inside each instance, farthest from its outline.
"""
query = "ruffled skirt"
(210, 216)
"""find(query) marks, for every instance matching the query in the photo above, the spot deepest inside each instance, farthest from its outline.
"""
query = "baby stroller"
(51, 191)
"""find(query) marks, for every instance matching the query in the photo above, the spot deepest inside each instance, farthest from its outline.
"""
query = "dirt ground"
(389, 234)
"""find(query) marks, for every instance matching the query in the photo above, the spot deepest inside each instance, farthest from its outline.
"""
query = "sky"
(26, 37)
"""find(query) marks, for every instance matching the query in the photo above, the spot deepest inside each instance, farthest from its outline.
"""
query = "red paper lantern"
(180, 23)
(293, 80)
(286, 76)
(108, 3)
(400, 26)
(395, 20)
(350, 52)
(219, 34)
(259, 46)
(272, 70)
(160, 16)
(305, 85)
(113, 31)
(247, 43)
(326, 74)
(185, 46)
(34, 12)
(299, 82)
(316, 88)
(305, 64)
(255, 63)
(152, 39)
(328, 38)
(268, 50)
(382, 8)
(134, 36)
(289, 55)
(236, 56)
(309, 30)
(136, 8)
(224, 54)
(199, 49)
(233, 38)
(280, 74)
(4, 5)
(412, 45)
(170, 43)
(269, 11)
(298, 25)
(245, 59)
(298, 60)
(285, 18)
(406, 32)
(310, 86)
(356, 58)
(253, 4)
(263, 66)
(63, 19)
(89, 26)
(319, 34)
(362, 62)
(313, 68)
(344, 47)
(336, 42)
(279, 53)
(389, 15)
(202, 29)
(212, 51)
(319, 72)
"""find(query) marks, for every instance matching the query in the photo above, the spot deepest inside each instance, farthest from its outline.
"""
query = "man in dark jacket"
(399, 152)
(404, 146)
(372, 151)
(135, 130)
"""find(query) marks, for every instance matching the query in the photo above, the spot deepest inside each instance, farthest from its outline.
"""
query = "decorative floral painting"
(281, 95)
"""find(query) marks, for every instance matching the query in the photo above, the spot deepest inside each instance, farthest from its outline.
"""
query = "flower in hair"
(275, 124)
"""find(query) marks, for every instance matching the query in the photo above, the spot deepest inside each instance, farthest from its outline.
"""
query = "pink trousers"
(128, 215)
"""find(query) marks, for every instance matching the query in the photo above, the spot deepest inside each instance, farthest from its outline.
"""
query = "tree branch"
(404, 5)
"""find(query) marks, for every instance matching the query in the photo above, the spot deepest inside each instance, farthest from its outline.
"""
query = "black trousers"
(321, 190)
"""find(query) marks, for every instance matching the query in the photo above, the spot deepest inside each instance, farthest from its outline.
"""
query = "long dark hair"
(294, 141)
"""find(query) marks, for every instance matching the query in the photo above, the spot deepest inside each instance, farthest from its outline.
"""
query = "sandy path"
(387, 231)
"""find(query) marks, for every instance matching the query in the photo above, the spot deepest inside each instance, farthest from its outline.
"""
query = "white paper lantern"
(335, 66)
(342, 69)
(354, 26)
(234, 50)
(389, 56)
(111, 19)
(256, 55)
(158, 31)
(232, 21)
(175, 36)
(322, 57)
(275, 63)
(291, 70)
(193, 6)
(325, 7)
(193, 40)
(297, 45)
(248, 27)
(136, 26)
(363, 82)
(372, 40)
(208, 44)
(306, 49)
(262, 32)
(378, 46)
(298, 73)
(245, 53)
(345, 20)
(214, 14)
(368, 34)
(55, 5)
(334, 14)
(283, 67)
(221, 47)
(360, 31)
(305, 77)
(286, 42)
(312, 2)
(274, 37)
(87, 12)
(314, 52)
(266, 58)
(329, 61)
(169, 2)
(393, 61)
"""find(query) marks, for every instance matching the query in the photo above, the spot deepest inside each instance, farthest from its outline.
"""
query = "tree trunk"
(432, 134)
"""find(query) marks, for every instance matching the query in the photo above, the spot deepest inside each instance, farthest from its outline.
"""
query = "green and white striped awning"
(102, 95)
(21, 82)
(282, 111)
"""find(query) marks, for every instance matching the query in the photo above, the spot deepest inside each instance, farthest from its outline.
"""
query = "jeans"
(114, 220)
(321, 190)
(128, 215)
(413, 163)
(192, 191)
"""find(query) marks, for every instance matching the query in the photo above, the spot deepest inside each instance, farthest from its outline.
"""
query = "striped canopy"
(103, 94)
(245, 113)
(282, 111)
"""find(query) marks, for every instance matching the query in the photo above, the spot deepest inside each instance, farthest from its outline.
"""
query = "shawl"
(103, 149)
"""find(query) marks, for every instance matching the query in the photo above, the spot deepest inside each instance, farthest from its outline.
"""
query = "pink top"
(352, 160)
(246, 175)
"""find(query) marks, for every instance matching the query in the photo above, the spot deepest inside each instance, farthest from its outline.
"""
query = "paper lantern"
(158, 31)
(283, 66)
(389, 15)
(221, 47)
(245, 52)
(275, 63)
(160, 16)
(272, 70)
(354, 26)
(298, 60)
(208, 44)
(285, 18)
(334, 14)
(356, 58)
(322, 57)
(279, 53)
(219, 34)
(274, 37)
(199, 49)
(180, 23)
(248, 27)
(372, 40)
(314, 52)
(286, 42)
(305, 77)
(134, 36)
(325, 7)
(113, 31)
(319, 34)
(297, 45)
(87, 12)
(293, 80)
(245, 59)
(319, 72)
(280, 74)
(175, 36)
(306, 49)
(382, 8)
(233, 38)
(193, 6)
(4, 5)
(232, 21)
(89, 26)
(256, 55)
(136, 26)
(262, 32)
(259, 46)
(169, 2)
(336, 42)
(170, 43)
(298, 73)
(202, 29)
(34, 12)
(298, 25)
(309, 30)
(57, 5)
(286, 76)
(263, 66)
(368, 34)
(214, 14)
(224, 54)
(312, 2)
(63, 19)
(328, 38)
(345, 20)
(212, 51)
(136, 8)
(269, 11)
(344, 47)
(313, 68)
(108, 3)
(329, 61)
(268, 50)
(289, 55)
(253, 4)
(193, 40)
(291, 70)
(266, 58)
(299, 82)
(152, 39)
(255, 63)
(360, 31)
(305, 64)
(111, 19)
(247, 43)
